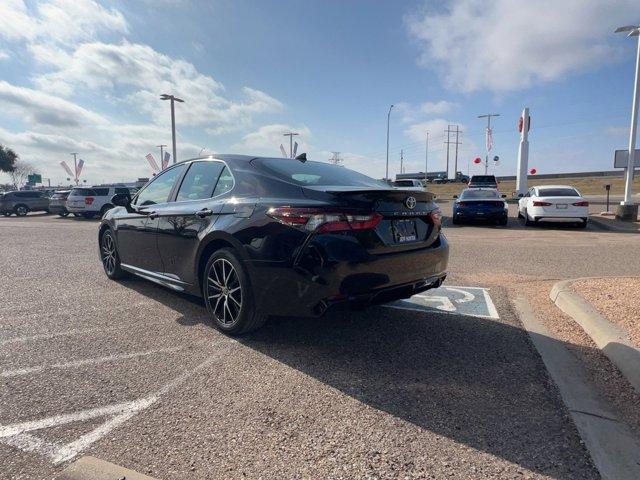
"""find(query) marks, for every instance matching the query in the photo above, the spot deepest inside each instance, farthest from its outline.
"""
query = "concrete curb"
(91, 468)
(610, 338)
(606, 225)
(611, 443)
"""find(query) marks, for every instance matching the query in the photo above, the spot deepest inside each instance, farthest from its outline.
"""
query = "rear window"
(315, 173)
(558, 192)
(479, 194)
(101, 192)
(60, 195)
(483, 179)
(404, 183)
(82, 192)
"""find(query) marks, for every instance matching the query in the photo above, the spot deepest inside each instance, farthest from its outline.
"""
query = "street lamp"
(164, 96)
(627, 210)
(388, 118)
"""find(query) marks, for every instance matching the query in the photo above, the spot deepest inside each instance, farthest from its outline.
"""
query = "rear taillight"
(88, 200)
(581, 204)
(322, 221)
(462, 204)
(541, 204)
(435, 218)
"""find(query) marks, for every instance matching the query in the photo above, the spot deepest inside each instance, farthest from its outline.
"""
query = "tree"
(8, 159)
(20, 172)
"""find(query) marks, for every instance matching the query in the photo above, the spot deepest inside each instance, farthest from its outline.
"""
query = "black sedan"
(483, 204)
(271, 236)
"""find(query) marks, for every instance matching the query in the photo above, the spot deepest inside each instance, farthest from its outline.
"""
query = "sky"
(85, 76)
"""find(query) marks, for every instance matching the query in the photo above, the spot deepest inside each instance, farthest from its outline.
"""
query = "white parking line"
(17, 435)
(87, 361)
(44, 336)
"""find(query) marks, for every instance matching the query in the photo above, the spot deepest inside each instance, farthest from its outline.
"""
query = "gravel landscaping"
(618, 299)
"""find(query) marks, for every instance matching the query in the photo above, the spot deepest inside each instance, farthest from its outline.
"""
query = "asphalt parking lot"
(131, 373)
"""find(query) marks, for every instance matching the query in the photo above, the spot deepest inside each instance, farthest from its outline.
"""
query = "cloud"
(140, 73)
(267, 139)
(616, 131)
(40, 108)
(62, 21)
(505, 45)
(3, 55)
(437, 108)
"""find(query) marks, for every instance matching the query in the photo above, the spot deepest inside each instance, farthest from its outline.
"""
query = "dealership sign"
(621, 159)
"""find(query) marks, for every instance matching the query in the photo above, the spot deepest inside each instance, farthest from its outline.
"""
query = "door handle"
(205, 212)
(153, 215)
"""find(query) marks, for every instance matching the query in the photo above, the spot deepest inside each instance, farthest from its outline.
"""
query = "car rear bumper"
(283, 289)
(558, 214)
(57, 208)
(487, 215)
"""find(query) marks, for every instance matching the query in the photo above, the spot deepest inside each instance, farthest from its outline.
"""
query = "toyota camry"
(256, 237)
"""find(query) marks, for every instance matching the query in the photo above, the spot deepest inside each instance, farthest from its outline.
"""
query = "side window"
(225, 182)
(159, 189)
(199, 181)
(101, 192)
(122, 190)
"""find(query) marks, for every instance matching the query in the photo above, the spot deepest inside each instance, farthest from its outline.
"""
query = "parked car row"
(79, 201)
(548, 203)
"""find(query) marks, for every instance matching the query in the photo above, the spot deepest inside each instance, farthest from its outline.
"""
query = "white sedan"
(553, 203)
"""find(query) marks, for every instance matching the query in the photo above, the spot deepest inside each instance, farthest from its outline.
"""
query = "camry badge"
(410, 202)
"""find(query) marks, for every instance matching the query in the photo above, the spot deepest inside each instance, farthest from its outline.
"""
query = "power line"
(448, 142)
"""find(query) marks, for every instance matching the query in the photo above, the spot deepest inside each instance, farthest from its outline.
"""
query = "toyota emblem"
(410, 202)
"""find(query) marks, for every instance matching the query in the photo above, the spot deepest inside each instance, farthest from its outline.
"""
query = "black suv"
(23, 202)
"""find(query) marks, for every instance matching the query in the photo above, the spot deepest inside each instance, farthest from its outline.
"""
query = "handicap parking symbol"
(470, 301)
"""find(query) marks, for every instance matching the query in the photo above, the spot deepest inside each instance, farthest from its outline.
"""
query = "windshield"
(404, 183)
(315, 173)
(558, 192)
(467, 194)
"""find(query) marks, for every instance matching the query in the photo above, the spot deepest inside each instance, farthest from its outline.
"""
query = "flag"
(295, 149)
(282, 150)
(79, 168)
(66, 168)
(152, 162)
(165, 160)
(489, 139)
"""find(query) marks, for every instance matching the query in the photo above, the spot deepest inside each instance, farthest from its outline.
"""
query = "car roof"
(553, 186)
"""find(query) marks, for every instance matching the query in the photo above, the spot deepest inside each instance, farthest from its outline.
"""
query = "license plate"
(404, 231)
(562, 205)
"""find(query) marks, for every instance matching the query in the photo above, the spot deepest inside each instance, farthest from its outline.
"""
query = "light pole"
(489, 144)
(426, 160)
(386, 177)
(290, 135)
(173, 99)
(161, 154)
(627, 209)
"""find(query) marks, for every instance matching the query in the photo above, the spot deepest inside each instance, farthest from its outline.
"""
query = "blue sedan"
(483, 204)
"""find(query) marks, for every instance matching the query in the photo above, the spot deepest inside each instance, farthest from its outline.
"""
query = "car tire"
(88, 215)
(527, 222)
(6, 214)
(228, 294)
(503, 222)
(455, 221)
(583, 224)
(105, 209)
(110, 257)
(77, 215)
(63, 214)
(21, 210)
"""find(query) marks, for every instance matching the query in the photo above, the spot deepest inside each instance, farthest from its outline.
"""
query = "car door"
(136, 229)
(182, 222)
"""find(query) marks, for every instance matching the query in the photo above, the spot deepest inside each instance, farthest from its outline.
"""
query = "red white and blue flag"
(489, 139)
(152, 162)
(165, 160)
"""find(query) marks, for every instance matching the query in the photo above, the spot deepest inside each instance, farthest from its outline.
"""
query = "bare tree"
(20, 172)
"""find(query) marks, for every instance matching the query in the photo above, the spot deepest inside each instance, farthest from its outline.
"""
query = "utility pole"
(162, 153)
(388, 118)
(489, 138)
(290, 135)
(173, 99)
(75, 166)
(627, 210)
(448, 142)
(336, 160)
(401, 160)
(426, 160)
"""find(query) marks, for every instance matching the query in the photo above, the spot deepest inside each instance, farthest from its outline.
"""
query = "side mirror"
(520, 195)
(122, 200)
(503, 196)
(455, 196)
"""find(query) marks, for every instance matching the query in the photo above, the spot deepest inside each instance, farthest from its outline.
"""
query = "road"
(133, 374)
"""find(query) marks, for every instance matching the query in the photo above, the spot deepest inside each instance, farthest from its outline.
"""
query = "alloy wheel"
(224, 293)
(21, 211)
(108, 253)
